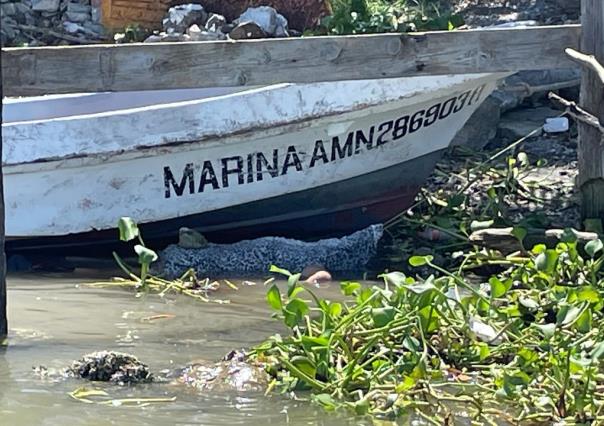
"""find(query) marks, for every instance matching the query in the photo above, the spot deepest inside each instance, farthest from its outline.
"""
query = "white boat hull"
(77, 174)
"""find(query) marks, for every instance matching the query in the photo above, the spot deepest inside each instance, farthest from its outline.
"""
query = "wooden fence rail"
(44, 70)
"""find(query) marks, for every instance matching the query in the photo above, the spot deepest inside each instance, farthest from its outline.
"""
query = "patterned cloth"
(254, 257)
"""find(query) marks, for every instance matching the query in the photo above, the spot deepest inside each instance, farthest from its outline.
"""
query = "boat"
(296, 160)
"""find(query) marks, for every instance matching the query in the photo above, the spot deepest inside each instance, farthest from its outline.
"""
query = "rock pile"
(107, 366)
(49, 22)
(191, 22)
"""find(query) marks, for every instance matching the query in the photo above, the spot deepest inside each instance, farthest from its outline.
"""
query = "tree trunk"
(591, 148)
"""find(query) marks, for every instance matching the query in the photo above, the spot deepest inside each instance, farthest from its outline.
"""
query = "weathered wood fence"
(45, 70)
(51, 70)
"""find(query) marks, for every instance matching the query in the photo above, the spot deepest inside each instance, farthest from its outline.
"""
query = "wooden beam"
(43, 70)
(591, 146)
(3, 317)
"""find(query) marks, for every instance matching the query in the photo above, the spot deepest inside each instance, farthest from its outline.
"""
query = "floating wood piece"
(503, 239)
(68, 69)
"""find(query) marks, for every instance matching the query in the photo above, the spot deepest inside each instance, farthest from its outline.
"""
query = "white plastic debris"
(485, 332)
(556, 125)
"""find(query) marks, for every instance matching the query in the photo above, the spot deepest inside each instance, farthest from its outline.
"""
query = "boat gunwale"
(268, 129)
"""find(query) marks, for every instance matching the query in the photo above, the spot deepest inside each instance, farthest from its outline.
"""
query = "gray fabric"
(254, 257)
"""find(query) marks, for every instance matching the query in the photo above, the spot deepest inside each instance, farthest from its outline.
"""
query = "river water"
(54, 319)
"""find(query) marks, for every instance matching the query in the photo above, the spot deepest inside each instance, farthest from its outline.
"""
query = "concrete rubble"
(191, 22)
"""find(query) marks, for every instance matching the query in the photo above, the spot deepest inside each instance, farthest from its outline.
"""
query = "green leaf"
(568, 236)
(416, 261)
(588, 294)
(146, 256)
(292, 283)
(548, 330)
(528, 356)
(395, 278)
(294, 311)
(421, 288)
(499, 288)
(325, 400)
(349, 288)
(571, 314)
(305, 365)
(278, 270)
(518, 378)
(528, 303)
(519, 233)
(428, 319)
(314, 342)
(456, 200)
(584, 321)
(546, 261)
(361, 407)
(127, 228)
(492, 193)
(598, 351)
(383, 316)
(273, 297)
(484, 351)
(408, 383)
(335, 309)
(593, 247)
(539, 248)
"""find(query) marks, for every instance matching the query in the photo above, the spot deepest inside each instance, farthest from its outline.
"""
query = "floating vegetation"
(188, 284)
(99, 396)
(524, 346)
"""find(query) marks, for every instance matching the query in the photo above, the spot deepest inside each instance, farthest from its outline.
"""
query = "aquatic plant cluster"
(379, 16)
(525, 346)
(187, 284)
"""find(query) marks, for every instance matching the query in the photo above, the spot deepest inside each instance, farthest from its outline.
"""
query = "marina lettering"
(262, 163)
(315, 154)
(338, 151)
(248, 168)
(179, 188)
(291, 159)
(208, 176)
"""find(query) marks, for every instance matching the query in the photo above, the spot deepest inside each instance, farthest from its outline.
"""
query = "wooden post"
(3, 318)
(591, 146)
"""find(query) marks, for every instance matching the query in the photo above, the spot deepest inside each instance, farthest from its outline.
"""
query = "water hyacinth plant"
(525, 346)
(188, 284)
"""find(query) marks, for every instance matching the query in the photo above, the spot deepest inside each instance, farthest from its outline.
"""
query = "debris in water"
(108, 366)
(346, 254)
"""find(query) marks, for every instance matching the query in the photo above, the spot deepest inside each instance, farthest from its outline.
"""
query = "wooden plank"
(35, 71)
(3, 318)
(591, 148)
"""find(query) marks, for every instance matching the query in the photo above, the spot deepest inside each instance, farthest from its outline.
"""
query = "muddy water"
(53, 320)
